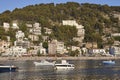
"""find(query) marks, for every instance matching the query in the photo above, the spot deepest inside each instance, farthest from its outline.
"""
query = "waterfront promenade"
(56, 58)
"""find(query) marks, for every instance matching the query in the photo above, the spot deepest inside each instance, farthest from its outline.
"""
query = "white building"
(69, 22)
(48, 31)
(21, 40)
(6, 25)
(15, 25)
(116, 43)
(29, 25)
(117, 50)
(79, 39)
(4, 45)
(73, 48)
(45, 38)
(37, 49)
(81, 30)
(24, 44)
(36, 29)
(117, 15)
(60, 47)
(36, 25)
(34, 37)
(97, 51)
(115, 34)
(20, 35)
(15, 51)
(42, 50)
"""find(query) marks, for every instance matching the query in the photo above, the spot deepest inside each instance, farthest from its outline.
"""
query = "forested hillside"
(95, 18)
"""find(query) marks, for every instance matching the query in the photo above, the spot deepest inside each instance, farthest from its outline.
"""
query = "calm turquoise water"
(84, 70)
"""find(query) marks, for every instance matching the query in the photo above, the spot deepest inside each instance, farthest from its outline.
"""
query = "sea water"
(84, 70)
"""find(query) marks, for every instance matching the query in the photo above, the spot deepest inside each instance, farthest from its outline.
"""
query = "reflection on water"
(84, 70)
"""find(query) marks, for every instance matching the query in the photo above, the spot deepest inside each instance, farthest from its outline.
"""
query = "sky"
(12, 4)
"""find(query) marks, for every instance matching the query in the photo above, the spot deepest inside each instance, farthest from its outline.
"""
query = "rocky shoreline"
(56, 58)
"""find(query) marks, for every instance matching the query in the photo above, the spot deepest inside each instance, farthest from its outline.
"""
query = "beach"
(57, 58)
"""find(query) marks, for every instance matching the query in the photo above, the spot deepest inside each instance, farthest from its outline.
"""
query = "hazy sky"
(12, 4)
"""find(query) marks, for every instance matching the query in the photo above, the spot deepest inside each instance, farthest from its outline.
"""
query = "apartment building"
(55, 47)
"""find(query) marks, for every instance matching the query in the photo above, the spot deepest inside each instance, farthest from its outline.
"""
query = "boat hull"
(109, 62)
(44, 64)
(64, 65)
(8, 68)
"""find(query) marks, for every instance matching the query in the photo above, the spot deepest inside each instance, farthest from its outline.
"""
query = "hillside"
(98, 20)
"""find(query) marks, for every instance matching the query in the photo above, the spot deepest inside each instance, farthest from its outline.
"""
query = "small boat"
(64, 65)
(109, 62)
(44, 63)
(8, 68)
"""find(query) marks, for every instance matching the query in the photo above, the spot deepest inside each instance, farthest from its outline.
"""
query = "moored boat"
(109, 62)
(8, 68)
(64, 65)
(44, 63)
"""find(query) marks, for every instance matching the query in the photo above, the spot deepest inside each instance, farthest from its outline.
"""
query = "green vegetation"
(95, 18)
(23, 28)
(45, 45)
(74, 53)
(12, 33)
(117, 38)
(4, 34)
(38, 53)
(64, 33)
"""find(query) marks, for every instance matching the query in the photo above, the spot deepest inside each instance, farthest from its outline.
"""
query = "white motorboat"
(64, 65)
(109, 62)
(44, 63)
